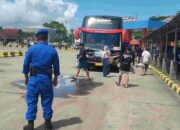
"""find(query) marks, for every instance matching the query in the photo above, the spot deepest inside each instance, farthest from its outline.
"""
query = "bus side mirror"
(76, 35)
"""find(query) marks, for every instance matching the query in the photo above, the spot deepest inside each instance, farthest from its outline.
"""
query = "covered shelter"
(166, 40)
(144, 26)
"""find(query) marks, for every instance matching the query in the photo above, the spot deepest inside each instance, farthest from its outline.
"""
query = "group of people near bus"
(125, 62)
(41, 69)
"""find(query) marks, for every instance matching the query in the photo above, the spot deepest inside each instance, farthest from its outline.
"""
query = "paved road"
(97, 105)
(11, 49)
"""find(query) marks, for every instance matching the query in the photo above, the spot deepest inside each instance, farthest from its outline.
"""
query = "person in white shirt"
(106, 54)
(146, 60)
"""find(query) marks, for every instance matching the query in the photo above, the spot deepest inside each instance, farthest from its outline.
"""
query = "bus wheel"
(91, 66)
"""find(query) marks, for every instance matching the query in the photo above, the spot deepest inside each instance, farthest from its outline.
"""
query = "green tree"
(25, 35)
(71, 37)
(137, 35)
(158, 18)
(60, 28)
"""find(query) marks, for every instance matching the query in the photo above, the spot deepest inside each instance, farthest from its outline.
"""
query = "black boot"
(48, 125)
(29, 126)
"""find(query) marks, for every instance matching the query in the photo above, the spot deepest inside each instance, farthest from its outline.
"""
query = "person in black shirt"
(124, 68)
(133, 56)
(139, 54)
(83, 63)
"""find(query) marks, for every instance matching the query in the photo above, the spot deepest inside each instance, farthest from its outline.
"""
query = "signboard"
(102, 22)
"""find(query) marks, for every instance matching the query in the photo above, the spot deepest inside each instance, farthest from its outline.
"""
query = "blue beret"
(42, 31)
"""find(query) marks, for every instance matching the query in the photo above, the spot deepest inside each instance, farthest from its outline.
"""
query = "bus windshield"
(99, 40)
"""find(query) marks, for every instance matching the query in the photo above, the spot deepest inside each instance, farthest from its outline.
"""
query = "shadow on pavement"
(100, 69)
(149, 74)
(63, 123)
(132, 85)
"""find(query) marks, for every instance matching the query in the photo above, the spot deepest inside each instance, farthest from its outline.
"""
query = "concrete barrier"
(166, 79)
(5, 54)
(15, 46)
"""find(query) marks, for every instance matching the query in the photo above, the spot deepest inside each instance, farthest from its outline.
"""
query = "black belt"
(35, 71)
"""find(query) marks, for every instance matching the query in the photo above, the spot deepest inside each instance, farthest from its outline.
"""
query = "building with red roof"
(7, 35)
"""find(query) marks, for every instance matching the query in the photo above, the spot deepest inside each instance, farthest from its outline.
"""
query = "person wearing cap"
(83, 63)
(41, 61)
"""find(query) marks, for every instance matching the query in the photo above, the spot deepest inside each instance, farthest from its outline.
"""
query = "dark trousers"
(139, 59)
(146, 66)
(133, 61)
(106, 67)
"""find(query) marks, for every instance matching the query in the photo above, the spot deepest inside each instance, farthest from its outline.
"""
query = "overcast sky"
(18, 13)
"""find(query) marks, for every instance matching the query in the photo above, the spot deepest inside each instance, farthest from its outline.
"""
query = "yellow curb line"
(167, 80)
(174, 86)
(6, 54)
(178, 90)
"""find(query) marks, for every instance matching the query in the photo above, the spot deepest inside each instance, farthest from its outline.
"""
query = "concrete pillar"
(164, 66)
(128, 36)
(175, 42)
(159, 62)
(166, 43)
(144, 34)
(154, 59)
(173, 69)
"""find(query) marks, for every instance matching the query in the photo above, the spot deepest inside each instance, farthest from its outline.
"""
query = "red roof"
(10, 33)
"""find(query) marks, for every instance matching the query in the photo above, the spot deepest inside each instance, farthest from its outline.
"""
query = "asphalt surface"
(148, 104)
(2, 49)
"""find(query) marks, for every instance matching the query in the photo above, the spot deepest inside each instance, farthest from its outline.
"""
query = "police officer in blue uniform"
(40, 62)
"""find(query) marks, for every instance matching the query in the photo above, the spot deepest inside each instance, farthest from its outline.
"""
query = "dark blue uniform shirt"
(41, 56)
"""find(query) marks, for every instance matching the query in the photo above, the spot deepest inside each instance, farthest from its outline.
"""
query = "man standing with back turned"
(40, 62)
(146, 60)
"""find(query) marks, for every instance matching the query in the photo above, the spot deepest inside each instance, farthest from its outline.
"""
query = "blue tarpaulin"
(149, 24)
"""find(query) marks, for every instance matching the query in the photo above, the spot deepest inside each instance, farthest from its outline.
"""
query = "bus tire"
(91, 67)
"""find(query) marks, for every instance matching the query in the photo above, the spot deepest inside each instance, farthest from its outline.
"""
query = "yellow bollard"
(24, 53)
(9, 54)
(16, 53)
(1, 55)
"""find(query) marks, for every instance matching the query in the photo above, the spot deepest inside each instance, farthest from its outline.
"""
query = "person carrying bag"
(124, 68)
(106, 59)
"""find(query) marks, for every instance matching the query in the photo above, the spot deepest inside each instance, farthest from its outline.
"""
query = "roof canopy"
(149, 24)
(168, 28)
